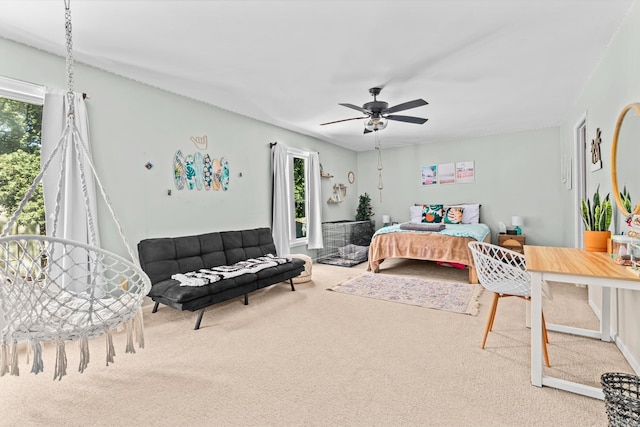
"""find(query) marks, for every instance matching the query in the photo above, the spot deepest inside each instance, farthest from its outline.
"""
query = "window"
(20, 137)
(298, 196)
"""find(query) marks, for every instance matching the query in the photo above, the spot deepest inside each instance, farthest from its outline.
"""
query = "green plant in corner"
(364, 212)
(596, 214)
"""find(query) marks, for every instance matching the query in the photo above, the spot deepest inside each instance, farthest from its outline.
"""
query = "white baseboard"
(617, 340)
(627, 354)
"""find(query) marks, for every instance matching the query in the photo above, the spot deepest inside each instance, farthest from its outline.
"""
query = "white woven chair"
(504, 273)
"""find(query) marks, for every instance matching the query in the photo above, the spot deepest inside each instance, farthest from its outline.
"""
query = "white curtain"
(314, 222)
(69, 190)
(280, 226)
(72, 220)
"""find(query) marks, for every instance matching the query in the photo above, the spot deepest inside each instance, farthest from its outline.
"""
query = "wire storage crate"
(346, 242)
(622, 398)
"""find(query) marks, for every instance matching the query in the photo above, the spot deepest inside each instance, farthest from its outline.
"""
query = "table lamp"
(517, 221)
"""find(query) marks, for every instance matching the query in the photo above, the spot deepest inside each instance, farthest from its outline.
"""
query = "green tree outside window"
(20, 141)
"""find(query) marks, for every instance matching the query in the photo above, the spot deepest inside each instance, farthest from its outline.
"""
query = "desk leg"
(536, 329)
(605, 321)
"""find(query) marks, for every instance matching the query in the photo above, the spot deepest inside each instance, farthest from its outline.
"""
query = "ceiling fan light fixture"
(375, 123)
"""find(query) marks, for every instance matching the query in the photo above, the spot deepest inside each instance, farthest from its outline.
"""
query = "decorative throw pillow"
(453, 215)
(471, 214)
(432, 213)
(415, 214)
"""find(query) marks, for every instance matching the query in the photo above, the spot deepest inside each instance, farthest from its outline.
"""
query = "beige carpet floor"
(314, 357)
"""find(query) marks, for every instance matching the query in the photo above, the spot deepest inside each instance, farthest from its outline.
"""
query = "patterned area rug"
(447, 296)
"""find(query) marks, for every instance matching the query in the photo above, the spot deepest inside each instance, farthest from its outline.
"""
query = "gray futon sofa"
(161, 258)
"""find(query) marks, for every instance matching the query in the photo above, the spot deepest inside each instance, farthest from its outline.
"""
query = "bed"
(408, 240)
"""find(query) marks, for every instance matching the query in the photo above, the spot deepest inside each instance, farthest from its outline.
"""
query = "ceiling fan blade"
(408, 119)
(343, 120)
(406, 106)
(366, 131)
(355, 107)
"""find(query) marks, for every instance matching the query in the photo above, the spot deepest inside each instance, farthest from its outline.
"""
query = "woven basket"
(622, 398)
(305, 276)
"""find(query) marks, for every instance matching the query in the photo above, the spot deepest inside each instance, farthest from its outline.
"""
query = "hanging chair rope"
(56, 290)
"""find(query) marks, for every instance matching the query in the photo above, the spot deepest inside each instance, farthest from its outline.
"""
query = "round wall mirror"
(625, 159)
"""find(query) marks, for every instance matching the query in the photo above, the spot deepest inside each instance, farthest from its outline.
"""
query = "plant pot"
(596, 241)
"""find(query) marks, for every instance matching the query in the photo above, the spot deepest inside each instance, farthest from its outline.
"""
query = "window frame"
(21, 91)
(305, 155)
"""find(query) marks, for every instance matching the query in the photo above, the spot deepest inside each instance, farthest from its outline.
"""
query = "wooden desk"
(570, 265)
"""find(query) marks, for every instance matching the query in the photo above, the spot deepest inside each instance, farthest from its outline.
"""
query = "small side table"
(514, 242)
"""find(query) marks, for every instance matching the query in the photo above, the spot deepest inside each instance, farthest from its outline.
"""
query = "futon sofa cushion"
(161, 258)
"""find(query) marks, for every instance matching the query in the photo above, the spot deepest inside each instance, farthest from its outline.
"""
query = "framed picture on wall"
(447, 173)
(429, 175)
(465, 172)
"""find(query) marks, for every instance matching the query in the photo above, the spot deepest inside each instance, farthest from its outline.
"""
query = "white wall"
(132, 124)
(515, 174)
(613, 84)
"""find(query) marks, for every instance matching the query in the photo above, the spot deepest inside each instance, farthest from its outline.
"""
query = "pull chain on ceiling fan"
(379, 112)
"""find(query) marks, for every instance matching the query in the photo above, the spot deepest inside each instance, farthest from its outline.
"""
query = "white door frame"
(579, 176)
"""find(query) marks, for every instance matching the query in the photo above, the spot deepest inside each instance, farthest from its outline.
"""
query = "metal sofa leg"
(199, 320)
(292, 288)
(246, 299)
(155, 307)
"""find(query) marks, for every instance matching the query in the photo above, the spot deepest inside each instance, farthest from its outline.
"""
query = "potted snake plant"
(596, 216)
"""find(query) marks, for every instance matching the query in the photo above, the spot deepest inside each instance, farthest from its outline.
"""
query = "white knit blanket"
(206, 276)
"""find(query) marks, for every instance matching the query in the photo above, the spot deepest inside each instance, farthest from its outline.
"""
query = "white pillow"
(415, 214)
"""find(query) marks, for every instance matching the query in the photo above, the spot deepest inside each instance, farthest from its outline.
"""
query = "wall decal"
(224, 174)
(178, 170)
(596, 159)
(200, 142)
(190, 173)
(207, 172)
(197, 171)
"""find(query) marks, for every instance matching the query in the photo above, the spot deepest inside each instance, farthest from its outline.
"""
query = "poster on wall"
(447, 173)
(465, 172)
(429, 175)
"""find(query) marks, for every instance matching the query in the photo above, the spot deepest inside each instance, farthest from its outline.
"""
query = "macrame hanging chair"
(57, 290)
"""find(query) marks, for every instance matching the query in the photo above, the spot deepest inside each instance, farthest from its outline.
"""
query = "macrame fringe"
(61, 361)
(129, 328)
(111, 351)
(4, 359)
(84, 354)
(37, 366)
(9, 353)
(139, 329)
(14, 369)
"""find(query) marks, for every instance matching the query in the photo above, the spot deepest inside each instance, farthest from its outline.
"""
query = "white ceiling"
(484, 66)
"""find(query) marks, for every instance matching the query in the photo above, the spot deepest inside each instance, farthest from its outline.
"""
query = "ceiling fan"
(378, 112)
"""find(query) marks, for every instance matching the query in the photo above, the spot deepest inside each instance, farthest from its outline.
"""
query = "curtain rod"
(273, 144)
